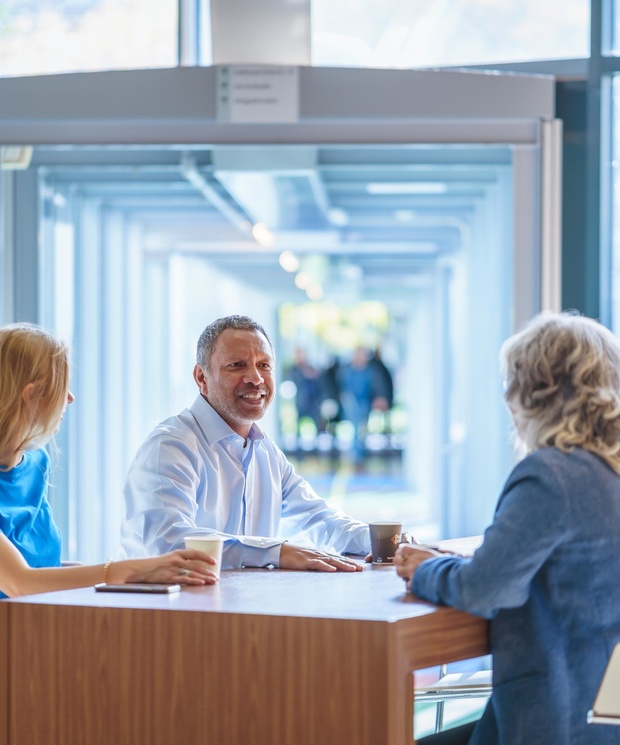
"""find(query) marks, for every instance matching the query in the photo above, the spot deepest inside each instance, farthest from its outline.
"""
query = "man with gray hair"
(212, 470)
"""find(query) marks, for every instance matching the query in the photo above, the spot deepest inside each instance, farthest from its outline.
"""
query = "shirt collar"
(214, 427)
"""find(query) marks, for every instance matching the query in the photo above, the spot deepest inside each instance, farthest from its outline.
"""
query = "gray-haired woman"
(547, 574)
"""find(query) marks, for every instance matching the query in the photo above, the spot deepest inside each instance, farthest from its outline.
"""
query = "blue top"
(25, 514)
(195, 474)
(548, 577)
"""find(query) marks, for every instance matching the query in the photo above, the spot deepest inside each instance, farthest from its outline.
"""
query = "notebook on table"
(606, 708)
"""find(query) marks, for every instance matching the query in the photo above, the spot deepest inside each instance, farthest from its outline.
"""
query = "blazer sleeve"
(530, 522)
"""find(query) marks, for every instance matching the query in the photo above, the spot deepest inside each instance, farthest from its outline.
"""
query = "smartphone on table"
(138, 587)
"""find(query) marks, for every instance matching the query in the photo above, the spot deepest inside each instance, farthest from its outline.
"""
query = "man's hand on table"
(309, 560)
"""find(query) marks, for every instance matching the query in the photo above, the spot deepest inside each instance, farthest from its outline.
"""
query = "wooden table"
(267, 657)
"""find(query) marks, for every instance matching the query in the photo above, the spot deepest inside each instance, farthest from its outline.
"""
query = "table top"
(376, 594)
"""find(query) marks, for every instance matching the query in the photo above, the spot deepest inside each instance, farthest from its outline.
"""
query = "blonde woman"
(34, 392)
(548, 573)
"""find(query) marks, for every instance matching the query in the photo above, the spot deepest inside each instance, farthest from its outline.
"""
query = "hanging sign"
(257, 94)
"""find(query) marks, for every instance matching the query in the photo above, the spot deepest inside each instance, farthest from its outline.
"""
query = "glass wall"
(58, 36)
(609, 170)
(55, 36)
(6, 275)
(418, 33)
(136, 262)
(614, 212)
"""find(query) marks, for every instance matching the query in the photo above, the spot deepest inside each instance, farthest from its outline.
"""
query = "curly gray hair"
(562, 377)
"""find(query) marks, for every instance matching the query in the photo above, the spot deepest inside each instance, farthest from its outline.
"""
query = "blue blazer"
(548, 577)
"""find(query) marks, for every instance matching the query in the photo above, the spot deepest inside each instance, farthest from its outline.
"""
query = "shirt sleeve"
(306, 517)
(530, 522)
(161, 506)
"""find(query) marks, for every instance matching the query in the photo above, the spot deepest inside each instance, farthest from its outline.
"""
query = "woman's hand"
(405, 538)
(183, 566)
(408, 558)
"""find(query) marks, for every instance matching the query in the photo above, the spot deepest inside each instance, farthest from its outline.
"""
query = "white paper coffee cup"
(211, 545)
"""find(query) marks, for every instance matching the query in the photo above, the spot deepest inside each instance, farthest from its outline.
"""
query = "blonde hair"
(562, 378)
(30, 355)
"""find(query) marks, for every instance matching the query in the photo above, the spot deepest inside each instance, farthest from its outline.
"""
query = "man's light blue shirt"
(194, 474)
